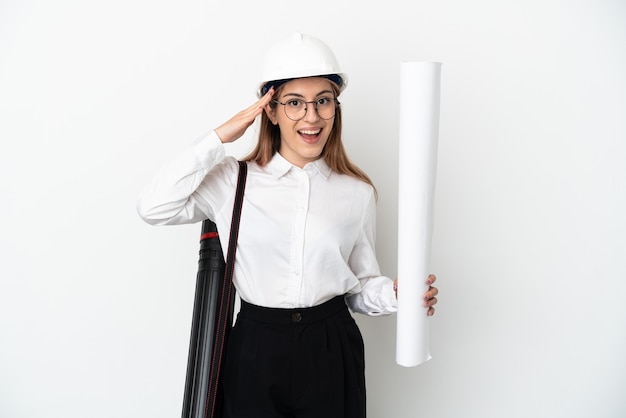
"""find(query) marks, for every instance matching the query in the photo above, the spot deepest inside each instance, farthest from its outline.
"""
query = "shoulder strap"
(226, 298)
(234, 226)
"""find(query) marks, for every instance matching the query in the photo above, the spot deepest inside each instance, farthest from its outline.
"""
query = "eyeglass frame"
(306, 108)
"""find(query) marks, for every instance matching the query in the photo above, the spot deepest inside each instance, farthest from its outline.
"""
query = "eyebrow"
(301, 96)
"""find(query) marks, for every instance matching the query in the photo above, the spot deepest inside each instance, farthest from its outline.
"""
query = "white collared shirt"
(306, 235)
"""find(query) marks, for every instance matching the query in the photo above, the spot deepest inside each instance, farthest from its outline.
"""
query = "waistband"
(295, 315)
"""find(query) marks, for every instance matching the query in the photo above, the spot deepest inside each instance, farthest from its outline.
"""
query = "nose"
(310, 112)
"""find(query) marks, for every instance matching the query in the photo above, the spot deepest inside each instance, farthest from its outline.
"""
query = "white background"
(530, 234)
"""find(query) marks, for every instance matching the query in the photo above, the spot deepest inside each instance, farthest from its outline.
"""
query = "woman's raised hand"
(236, 126)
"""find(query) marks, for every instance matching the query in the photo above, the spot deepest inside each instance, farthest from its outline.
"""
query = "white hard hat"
(298, 56)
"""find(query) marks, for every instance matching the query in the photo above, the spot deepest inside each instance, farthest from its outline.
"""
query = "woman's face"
(302, 141)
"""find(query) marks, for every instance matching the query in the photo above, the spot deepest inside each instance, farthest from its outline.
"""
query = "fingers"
(431, 279)
(430, 302)
(431, 293)
(236, 126)
(267, 97)
(247, 116)
(259, 106)
(429, 297)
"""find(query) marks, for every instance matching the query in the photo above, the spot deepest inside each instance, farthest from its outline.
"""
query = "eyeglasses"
(295, 109)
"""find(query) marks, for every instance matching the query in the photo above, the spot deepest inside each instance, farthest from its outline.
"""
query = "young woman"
(306, 246)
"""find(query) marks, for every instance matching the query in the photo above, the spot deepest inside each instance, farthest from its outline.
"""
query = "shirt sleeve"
(376, 296)
(191, 187)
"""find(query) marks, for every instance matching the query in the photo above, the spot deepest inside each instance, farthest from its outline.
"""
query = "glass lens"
(296, 109)
(325, 107)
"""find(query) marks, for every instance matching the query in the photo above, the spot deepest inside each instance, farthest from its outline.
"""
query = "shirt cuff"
(380, 302)
(388, 299)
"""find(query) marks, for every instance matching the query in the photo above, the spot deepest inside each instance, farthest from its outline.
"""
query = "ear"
(271, 114)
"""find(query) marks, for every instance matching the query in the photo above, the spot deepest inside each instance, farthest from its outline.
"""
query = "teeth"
(311, 132)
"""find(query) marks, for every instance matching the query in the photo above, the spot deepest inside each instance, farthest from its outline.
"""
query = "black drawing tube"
(209, 284)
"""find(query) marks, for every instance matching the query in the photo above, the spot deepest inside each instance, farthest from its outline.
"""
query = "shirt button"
(296, 317)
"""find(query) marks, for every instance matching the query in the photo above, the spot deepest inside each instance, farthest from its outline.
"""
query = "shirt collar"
(279, 166)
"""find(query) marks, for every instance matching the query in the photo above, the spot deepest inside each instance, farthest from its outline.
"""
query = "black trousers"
(295, 363)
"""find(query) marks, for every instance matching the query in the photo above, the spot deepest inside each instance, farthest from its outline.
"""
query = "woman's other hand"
(429, 297)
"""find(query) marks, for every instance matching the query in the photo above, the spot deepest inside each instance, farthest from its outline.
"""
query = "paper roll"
(417, 166)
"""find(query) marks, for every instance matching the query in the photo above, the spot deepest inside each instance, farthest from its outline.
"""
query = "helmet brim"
(339, 79)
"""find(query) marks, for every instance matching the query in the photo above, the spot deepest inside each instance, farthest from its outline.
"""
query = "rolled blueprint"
(417, 166)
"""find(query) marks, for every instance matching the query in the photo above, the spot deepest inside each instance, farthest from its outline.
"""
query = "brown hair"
(334, 152)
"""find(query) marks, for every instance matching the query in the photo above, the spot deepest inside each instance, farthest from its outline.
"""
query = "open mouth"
(310, 135)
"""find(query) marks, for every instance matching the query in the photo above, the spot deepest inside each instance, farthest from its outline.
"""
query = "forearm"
(173, 195)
